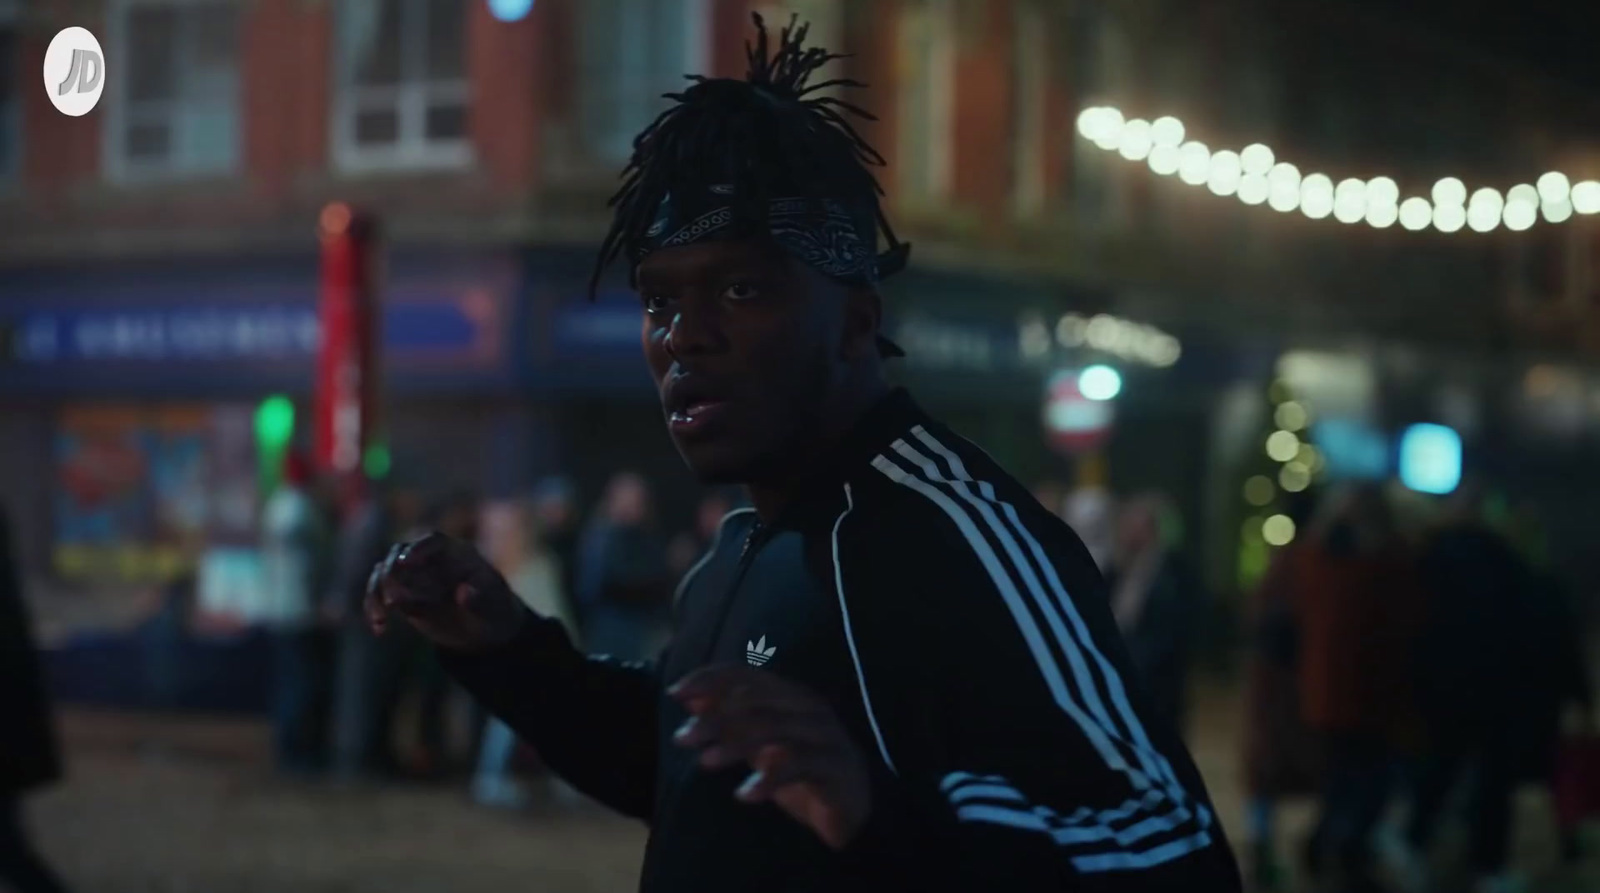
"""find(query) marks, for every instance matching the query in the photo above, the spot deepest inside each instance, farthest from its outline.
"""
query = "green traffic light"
(376, 461)
(274, 422)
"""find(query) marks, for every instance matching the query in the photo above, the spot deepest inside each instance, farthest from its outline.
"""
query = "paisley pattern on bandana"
(829, 239)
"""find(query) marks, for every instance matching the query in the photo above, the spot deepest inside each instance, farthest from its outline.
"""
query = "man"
(1153, 600)
(624, 585)
(296, 561)
(896, 671)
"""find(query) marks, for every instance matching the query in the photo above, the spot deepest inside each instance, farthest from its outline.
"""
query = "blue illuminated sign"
(510, 10)
(1430, 459)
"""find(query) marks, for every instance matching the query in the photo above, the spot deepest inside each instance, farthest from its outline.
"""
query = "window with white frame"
(403, 96)
(632, 52)
(10, 100)
(926, 61)
(175, 82)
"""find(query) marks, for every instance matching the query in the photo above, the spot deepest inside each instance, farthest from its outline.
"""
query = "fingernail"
(749, 784)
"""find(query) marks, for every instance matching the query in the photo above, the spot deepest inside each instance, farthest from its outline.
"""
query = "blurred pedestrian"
(514, 545)
(297, 569)
(1091, 512)
(691, 544)
(29, 753)
(163, 637)
(457, 515)
(555, 514)
(1155, 601)
(370, 670)
(1358, 606)
(624, 584)
(1479, 641)
(1279, 749)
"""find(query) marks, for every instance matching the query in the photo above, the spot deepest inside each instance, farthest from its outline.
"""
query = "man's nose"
(695, 330)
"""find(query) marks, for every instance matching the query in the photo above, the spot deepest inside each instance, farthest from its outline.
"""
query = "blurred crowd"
(351, 706)
(1422, 670)
(1409, 676)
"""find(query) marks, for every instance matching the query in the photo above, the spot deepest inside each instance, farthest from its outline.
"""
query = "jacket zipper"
(748, 539)
(745, 557)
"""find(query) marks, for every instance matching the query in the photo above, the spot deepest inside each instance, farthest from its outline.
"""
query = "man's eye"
(740, 291)
(655, 304)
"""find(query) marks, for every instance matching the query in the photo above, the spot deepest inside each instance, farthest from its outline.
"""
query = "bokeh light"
(1278, 530)
(1416, 213)
(1283, 446)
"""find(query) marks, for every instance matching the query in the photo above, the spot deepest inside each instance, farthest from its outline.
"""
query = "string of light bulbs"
(1255, 176)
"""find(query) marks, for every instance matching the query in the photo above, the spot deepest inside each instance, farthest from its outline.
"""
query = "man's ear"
(863, 319)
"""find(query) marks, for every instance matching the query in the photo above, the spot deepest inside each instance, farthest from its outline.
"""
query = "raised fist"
(448, 591)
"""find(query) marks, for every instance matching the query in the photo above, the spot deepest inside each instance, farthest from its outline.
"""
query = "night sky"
(1558, 39)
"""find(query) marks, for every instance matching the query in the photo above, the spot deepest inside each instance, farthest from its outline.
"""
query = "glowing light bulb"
(1253, 189)
(1194, 163)
(1256, 158)
(1223, 172)
(1556, 212)
(1415, 213)
(1290, 416)
(1134, 143)
(1382, 216)
(1449, 191)
(1483, 216)
(1089, 122)
(1524, 193)
(1284, 175)
(1382, 191)
(1283, 187)
(1278, 530)
(1164, 160)
(1316, 196)
(1554, 188)
(1167, 131)
(1487, 197)
(1109, 128)
(1283, 446)
(1586, 197)
(1349, 207)
(1449, 218)
(1519, 214)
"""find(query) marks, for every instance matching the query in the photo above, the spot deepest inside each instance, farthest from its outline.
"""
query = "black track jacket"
(962, 633)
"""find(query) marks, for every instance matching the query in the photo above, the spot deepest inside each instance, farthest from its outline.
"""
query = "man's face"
(744, 344)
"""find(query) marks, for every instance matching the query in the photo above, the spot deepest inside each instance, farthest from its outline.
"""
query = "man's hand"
(802, 757)
(447, 591)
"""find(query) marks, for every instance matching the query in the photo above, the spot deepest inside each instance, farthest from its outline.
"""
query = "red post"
(345, 402)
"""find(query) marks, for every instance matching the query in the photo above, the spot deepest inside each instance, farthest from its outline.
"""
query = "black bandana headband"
(822, 234)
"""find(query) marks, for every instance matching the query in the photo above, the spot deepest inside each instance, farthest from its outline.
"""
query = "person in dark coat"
(1481, 624)
(624, 583)
(29, 754)
(1154, 600)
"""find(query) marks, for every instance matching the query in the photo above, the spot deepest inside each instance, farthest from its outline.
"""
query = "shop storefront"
(128, 396)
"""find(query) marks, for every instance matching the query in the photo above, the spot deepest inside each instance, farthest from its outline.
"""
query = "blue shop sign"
(244, 327)
(222, 334)
(609, 325)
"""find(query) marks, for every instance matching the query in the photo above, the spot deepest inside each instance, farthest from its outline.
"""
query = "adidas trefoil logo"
(758, 653)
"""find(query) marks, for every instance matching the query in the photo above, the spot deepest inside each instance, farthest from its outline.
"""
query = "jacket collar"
(820, 490)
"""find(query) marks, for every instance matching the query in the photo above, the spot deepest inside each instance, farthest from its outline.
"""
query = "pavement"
(159, 804)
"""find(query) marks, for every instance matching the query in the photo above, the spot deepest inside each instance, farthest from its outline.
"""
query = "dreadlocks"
(732, 156)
